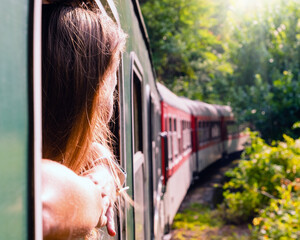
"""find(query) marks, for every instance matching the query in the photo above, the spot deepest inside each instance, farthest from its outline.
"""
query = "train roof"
(201, 108)
(171, 98)
(195, 107)
(224, 110)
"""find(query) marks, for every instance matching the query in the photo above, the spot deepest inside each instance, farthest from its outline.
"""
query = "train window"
(186, 135)
(199, 134)
(207, 131)
(180, 135)
(166, 124)
(114, 124)
(190, 132)
(205, 135)
(170, 138)
(231, 128)
(175, 140)
(175, 125)
(202, 136)
(179, 128)
(183, 135)
(215, 130)
(209, 126)
(137, 114)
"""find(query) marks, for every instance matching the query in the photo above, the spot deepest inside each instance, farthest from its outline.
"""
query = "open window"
(137, 113)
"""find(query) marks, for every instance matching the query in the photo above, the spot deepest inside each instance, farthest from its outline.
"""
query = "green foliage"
(281, 219)
(254, 182)
(242, 53)
(271, 108)
(265, 51)
(296, 125)
(185, 40)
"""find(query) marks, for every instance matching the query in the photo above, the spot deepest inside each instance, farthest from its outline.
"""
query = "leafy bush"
(254, 182)
(281, 220)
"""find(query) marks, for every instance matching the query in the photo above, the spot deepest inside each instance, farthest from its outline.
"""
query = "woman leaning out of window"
(81, 51)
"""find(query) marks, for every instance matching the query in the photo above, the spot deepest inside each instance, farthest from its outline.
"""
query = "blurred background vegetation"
(241, 53)
(265, 189)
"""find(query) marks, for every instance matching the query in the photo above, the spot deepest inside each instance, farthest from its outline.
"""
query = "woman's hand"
(103, 179)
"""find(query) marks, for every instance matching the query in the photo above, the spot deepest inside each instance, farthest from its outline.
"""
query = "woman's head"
(81, 51)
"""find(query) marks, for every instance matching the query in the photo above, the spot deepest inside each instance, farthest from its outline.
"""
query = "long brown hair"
(81, 51)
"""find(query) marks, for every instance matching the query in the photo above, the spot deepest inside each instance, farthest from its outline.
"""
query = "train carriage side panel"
(145, 182)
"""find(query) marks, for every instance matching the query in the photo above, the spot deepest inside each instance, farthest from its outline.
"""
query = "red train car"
(195, 135)
(176, 125)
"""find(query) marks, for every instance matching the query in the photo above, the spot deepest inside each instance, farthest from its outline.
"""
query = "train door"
(151, 151)
(155, 171)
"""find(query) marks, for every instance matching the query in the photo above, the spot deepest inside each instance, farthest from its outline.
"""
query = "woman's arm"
(72, 204)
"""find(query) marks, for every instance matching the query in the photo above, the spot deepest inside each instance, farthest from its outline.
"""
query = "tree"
(264, 88)
(187, 52)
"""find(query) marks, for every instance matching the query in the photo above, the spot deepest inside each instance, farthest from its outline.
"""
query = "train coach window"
(166, 124)
(179, 136)
(183, 135)
(204, 136)
(170, 138)
(208, 132)
(199, 133)
(190, 135)
(137, 115)
(179, 126)
(215, 130)
(175, 127)
(175, 140)
(231, 128)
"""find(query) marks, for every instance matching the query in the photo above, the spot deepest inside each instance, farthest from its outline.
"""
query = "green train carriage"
(20, 123)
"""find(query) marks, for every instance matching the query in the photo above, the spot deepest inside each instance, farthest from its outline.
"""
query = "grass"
(200, 222)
